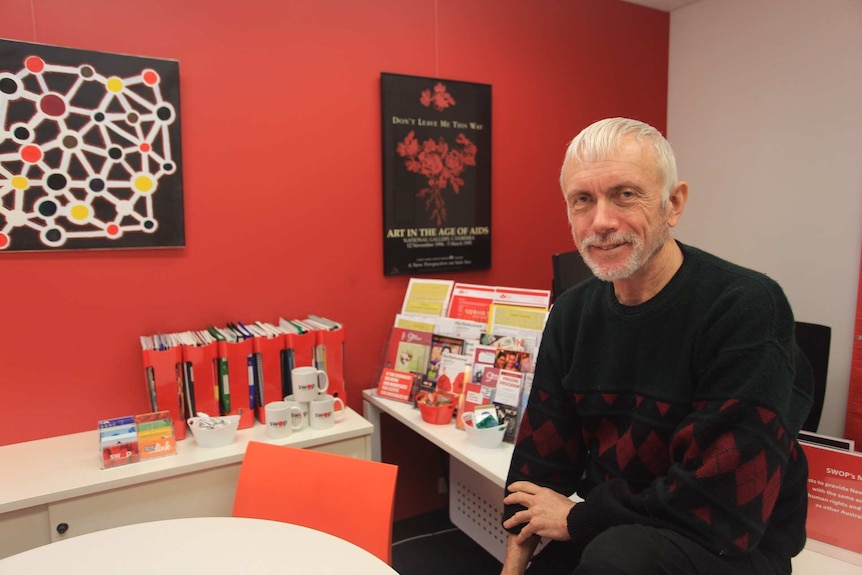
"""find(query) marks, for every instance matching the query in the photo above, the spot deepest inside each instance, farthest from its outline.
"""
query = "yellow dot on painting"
(114, 84)
(79, 212)
(144, 184)
(20, 182)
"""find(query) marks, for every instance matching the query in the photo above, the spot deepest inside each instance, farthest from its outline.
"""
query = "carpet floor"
(429, 544)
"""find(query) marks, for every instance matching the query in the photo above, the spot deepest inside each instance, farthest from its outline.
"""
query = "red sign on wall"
(834, 496)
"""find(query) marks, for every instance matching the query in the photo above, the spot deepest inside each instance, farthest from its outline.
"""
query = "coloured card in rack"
(396, 385)
(118, 441)
(452, 372)
(441, 344)
(427, 297)
(471, 302)
(155, 435)
(408, 350)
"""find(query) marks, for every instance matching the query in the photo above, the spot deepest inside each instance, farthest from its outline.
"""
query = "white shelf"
(493, 464)
(49, 470)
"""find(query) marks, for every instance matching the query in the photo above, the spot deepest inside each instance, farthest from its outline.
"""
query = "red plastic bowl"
(438, 415)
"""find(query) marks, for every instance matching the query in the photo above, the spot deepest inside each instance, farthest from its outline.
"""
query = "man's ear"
(676, 203)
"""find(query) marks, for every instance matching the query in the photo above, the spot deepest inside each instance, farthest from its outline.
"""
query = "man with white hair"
(668, 391)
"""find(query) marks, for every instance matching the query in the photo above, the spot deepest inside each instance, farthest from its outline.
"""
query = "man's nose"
(605, 216)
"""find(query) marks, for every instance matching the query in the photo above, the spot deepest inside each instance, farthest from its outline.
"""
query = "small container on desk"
(436, 407)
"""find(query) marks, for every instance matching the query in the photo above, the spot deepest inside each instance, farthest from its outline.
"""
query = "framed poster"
(436, 175)
(89, 150)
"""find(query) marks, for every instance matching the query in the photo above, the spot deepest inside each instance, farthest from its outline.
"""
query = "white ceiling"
(665, 5)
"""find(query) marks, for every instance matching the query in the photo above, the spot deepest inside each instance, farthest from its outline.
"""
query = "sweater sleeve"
(549, 450)
(735, 454)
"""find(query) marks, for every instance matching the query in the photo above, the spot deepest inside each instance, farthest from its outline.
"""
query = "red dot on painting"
(113, 229)
(4, 241)
(145, 147)
(150, 78)
(34, 64)
(31, 154)
(52, 105)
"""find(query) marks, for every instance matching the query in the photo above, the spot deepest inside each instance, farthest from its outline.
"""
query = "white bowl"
(486, 437)
(218, 436)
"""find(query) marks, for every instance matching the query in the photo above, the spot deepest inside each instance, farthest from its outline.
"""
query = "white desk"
(57, 481)
(223, 545)
(477, 478)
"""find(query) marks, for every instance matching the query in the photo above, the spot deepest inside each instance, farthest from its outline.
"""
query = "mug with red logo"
(322, 413)
(280, 420)
(308, 382)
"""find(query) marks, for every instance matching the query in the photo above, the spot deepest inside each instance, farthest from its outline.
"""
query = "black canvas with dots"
(90, 152)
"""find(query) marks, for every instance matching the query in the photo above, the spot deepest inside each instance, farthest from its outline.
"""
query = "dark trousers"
(642, 550)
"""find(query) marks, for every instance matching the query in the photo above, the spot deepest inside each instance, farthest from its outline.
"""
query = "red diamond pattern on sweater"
(685, 438)
(705, 513)
(751, 479)
(547, 439)
(652, 452)
(721, 457)
(766, 415)
(625, 450)
(771, 493)
(607, 435)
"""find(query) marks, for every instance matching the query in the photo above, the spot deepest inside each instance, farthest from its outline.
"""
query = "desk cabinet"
(53, 489)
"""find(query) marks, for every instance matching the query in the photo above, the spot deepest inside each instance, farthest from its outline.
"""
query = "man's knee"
(630, 549)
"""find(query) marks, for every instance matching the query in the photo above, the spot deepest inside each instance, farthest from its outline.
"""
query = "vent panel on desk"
(476, 507)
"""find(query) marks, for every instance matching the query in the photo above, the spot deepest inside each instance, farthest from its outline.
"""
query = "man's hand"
(545, 514)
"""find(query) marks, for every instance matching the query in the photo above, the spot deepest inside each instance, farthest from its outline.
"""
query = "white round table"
(217, 545)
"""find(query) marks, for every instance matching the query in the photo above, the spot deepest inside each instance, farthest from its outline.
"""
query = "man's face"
(614, 207)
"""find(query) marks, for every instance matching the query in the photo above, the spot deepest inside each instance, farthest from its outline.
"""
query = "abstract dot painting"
(90, 154)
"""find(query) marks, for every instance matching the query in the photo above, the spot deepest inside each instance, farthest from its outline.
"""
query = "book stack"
(474, 341)
(238, 368)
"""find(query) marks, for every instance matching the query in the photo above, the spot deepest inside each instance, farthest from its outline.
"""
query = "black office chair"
(569, 269)
(814, 341)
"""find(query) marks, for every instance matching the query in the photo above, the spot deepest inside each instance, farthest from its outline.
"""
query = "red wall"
(281, 154)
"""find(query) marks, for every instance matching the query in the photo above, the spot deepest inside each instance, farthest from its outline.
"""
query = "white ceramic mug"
(303, 405)
(308, 382)
(322, 413)
(279, 419)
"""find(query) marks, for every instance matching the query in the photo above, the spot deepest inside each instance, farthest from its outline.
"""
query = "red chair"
(347, 497)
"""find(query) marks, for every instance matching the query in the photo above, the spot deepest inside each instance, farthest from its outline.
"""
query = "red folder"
(204, 377)
(165, 383)
(301, 346)
(240, 379)
(329, 357)
(268, 386)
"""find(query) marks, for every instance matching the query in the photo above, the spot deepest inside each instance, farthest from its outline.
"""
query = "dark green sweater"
(681, 412)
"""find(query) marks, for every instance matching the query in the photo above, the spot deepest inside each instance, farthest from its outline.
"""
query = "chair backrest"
(569, 269)
(814, 341)
(347, 497)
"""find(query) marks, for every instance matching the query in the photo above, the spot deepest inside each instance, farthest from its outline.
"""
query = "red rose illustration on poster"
(440, 98)
(441, 164)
